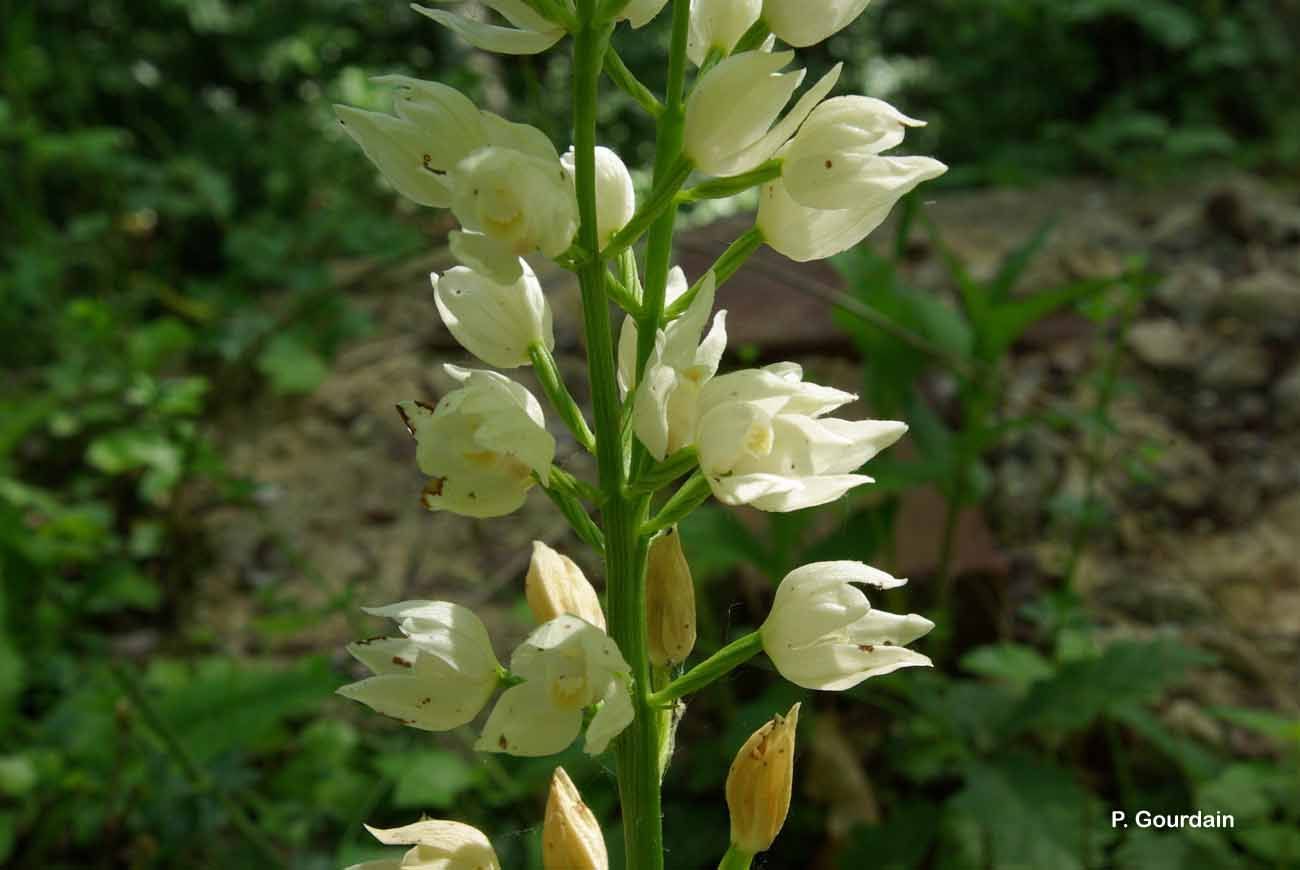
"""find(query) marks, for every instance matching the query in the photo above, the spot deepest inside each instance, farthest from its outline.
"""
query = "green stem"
(566, 498)
(665, 472)
(735, 859)
(197, 776)
(661, 198)
(668, 154)
(727, 264)
(719, 188)
(548, 373)
(629, 84)
(722, 662)
(637, 747)
(690, 495)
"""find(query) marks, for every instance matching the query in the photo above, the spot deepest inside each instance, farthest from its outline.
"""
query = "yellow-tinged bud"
(556, 585)
(669, 601)
(571, 836)
(758, 785)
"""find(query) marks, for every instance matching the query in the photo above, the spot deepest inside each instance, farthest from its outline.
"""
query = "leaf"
(223, 704)
(1014, 264)
(1033, 813)
(1126, 674)
(1011, 663)
(1279, 843)
(1241, 790)
(428, 778)
(900, 843)
(291, 366)
(1262, 722)
(1005, 323)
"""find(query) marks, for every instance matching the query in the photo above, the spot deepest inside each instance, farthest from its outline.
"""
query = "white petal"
(450, 631)
(448, 120)
(524, 722)
(432, 697)
(398, 150)
(489, 257)
(767, 146)
(639, 12)
(492, 37)
(733, 105)
(495, 322)
(730, 433)
(719, 24)
(517, 136)
(614, 715)
(650, 409)
(835, 667)
(801, 23)
(463, 844)
(879, 628)
(811, 492)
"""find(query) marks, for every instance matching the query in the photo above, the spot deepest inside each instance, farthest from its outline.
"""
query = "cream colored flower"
(664, 409)
(823, 634)
(731, 115)
(835, 185)
(438, 676)
(566, 665)
(436, 844)
(759, 784)
(669, 601)
(556, 585)
(719, 24)
(571, 836)
(481, 445)
(807, 22)
(531, 32)
(638, 13)
(495, 322)
(615, 198)
(764, 440)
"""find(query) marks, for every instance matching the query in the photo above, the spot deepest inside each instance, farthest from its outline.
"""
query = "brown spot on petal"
(401, 412)
(398, 660)
(502, 742)
(828, 164)
(420, 403)
(866, 647)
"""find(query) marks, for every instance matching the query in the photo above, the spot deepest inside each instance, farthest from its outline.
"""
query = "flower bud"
(495, 322)
(758, 785)
(436, 843)
(822, 632)
(669, 601)
(731, 117)
(615, 198)
(719, 24)
(517, 198)
(801, 23)
(481, 445)
(556, 585)
(571, 836)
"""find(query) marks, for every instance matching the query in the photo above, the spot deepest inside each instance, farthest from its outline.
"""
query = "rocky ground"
(1202, 472)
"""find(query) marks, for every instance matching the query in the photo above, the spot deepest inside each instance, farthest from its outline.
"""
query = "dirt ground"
(1205, 543)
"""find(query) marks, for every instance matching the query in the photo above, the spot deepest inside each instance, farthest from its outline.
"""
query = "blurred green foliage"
(174, 196)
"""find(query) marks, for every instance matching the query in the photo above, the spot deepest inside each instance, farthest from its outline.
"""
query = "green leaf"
(291, 365)
(1034, 815)
(900, 843)
(1241, 790)
(1014, 264)
(1278, 843)
(1263, 722)
(222, 704)
(430, 779)
(1011, 663)
(1126, 674)
(1005, 323)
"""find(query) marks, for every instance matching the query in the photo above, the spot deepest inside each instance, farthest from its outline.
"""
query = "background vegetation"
(175, 205)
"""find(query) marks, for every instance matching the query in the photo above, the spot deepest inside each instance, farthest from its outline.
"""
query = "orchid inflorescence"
(761, 437)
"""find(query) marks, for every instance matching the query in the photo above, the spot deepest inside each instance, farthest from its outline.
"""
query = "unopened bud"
(556, 585)
(758, 785)
(571, 836)
(669, 601)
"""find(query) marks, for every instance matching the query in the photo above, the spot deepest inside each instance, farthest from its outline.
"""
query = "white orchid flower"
(835, 186)
(531, 33)
(638, 13)
(495, 322)
(664, 410)
(823, 634)
(763, 439)
(566, 665)
(731, 117)
(437, 676)
(807, 22)
(615, 197)
(719, 24)
(436, 844)
(503, 180)
(481, 444)
(555, 585)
